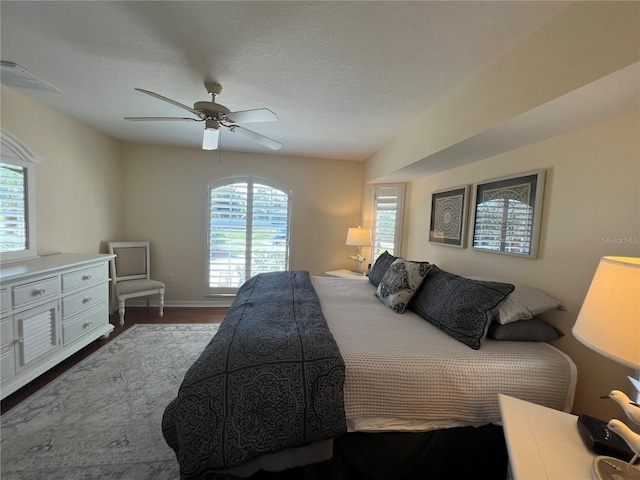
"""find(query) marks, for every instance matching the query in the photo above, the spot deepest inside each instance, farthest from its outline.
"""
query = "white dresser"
(50, 307)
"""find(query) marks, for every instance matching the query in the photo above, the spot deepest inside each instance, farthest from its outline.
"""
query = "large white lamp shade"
(609, 320)
(359, 236)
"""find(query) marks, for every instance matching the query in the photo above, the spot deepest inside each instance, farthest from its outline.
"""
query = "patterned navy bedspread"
(271, 378)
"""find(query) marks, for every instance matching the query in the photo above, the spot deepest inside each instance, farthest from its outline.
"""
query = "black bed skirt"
(455, 453)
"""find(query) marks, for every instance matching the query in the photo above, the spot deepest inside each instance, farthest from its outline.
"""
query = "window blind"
(248, 233)
(13, 208)
(504, 225)
(388, 206)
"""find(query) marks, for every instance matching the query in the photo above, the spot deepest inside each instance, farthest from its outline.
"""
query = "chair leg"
(161, 303)
(121, 311)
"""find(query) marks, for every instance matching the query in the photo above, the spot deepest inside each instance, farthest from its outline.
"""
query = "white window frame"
(397, 238)
(250, 180)
(14, 152)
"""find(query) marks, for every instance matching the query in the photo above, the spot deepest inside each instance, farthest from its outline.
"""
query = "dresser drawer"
(82, 277)
(35, 291)
(83, 300)
(83, 323)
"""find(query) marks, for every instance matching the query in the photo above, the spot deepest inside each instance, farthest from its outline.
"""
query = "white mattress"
(404, 374)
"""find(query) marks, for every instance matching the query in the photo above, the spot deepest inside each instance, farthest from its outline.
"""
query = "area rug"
(102, 418)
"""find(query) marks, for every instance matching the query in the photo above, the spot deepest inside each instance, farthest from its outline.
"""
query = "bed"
(383, 393)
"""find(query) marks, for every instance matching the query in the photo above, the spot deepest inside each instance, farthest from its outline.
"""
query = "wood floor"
(134, 315)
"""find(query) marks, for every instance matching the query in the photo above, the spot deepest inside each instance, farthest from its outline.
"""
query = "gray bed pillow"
(380, 267)
(461, 307)
(530, 330)
(400, 283)
(524, 303)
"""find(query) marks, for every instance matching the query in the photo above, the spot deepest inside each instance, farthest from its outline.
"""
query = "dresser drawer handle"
(40, 291)
(86, 299)
(87, 324)
(86, 277)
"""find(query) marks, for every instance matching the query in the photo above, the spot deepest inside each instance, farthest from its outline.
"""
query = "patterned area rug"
(102, 418)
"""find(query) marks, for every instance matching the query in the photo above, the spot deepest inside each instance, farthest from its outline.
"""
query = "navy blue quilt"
(271, 378)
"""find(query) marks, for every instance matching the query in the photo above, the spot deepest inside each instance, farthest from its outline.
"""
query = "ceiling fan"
(215, 115)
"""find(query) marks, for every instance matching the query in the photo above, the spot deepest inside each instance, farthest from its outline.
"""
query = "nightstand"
(344, 273)
(543, 443)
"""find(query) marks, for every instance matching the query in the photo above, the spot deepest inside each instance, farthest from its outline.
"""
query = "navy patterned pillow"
(381, 266)
(460, 307)
(400, 283)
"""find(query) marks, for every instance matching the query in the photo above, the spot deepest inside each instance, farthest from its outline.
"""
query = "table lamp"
(609, 323)
(360, 237)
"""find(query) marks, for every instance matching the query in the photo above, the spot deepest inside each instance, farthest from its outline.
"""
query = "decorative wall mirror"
(507, 214)
(17, 200)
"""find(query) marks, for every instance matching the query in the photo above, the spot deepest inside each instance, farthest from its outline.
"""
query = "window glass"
(248, 226)
(17, 200)
(388, 204)
(13, 208)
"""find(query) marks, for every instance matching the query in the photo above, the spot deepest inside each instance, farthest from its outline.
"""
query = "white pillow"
(524, 303)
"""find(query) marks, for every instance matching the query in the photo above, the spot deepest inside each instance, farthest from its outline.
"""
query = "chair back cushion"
(131, 261)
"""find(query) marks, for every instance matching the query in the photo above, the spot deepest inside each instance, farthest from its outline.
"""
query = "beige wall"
(592, 195)
(92, 189)
(585, 42)
(591, 209)
(77, 200)
(164, 191)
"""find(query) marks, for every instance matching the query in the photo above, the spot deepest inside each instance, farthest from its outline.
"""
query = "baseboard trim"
(184, 304)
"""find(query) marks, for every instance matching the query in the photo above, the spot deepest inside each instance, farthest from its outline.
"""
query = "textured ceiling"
(343, 77)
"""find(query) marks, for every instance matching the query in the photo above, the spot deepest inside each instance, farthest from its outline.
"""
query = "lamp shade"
(359, 236)
(211, 135)
(609, 320)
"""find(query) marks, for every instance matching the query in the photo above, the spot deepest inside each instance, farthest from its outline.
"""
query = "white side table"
(543, 443)
(344, 273)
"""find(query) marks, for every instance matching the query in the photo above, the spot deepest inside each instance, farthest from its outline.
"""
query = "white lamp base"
(609, 468)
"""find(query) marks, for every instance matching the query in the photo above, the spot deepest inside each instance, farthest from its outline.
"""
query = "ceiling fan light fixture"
(215, 115)
(211, 135)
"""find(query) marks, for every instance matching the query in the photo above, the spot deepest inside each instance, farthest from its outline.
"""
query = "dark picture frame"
(449, 217)
(507, 214)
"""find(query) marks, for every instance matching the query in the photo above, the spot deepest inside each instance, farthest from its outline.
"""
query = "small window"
(248, 229)
(17, 200)
(388, 202)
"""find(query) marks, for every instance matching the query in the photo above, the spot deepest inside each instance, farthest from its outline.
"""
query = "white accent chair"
(131, 277)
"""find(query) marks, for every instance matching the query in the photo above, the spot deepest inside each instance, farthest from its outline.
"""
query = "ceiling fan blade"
(256, 137)
(168, 100)
(248, 116)
(161, 119)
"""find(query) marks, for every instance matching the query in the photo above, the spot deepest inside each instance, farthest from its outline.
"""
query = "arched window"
(248, 232)
(17, 200)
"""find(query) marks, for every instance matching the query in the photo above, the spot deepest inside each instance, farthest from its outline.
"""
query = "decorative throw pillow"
(380, 267)
(531, 330)
(524, 303)
(460, 307)
(400, 283)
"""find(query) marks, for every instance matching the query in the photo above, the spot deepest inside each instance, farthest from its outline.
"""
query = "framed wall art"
(507, 213)
(449, 217)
